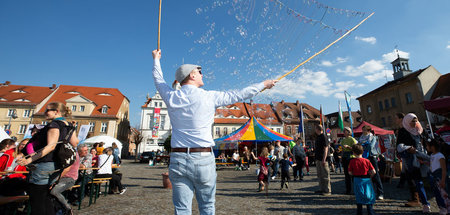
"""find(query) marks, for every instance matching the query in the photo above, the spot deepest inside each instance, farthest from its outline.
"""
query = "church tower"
(400, 67)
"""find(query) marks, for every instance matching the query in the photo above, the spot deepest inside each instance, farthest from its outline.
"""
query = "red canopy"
(439, 106)
(377, 130)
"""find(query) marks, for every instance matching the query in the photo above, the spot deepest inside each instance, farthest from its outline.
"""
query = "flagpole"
(303, 125)
(159, 22)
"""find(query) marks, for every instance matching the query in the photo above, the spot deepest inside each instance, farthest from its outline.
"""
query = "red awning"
(377, 130)
(439, 106)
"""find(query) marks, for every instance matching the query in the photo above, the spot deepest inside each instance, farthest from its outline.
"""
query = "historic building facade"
(405, 94)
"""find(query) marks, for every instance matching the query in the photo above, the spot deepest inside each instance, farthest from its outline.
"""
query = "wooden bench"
(9, 206)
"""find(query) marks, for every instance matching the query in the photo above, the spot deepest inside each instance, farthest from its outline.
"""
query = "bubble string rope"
(328, 46)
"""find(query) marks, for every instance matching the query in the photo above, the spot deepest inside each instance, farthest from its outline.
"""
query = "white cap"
(184, 70)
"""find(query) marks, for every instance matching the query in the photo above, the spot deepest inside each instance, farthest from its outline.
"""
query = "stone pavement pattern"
(236, 194)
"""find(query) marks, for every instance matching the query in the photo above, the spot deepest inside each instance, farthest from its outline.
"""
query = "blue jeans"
(192, 173)
(43, 173)
(276, 166)
(435, 177)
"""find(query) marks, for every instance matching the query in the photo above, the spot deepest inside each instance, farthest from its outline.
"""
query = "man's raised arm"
(158, 77)
(231, 97)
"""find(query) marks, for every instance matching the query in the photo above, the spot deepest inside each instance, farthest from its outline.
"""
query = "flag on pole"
(340, 118)
(348, 101)
(321, 122)
(300, 125)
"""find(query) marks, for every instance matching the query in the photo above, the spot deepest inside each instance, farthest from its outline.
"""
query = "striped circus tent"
(251, 131)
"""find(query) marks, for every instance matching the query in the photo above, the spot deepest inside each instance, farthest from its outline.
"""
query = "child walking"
(285, 178)
(438, 176)
(263, 175)
(362, 170)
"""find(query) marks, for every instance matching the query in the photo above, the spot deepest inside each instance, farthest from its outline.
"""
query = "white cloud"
(448, 46)
(310, 82)
(379, 75)
(370, 66)
(391, 56)
(374, 69)
(338, 60)
(371, 40)
(326, 63)
(341, 59)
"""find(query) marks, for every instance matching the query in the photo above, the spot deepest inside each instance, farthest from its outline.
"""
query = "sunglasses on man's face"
(200, 70)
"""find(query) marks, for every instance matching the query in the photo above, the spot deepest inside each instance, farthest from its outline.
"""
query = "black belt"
(186, 150)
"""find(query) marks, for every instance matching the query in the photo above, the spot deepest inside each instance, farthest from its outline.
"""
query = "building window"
(217, 131)
(7, 127)
(409, 98)
(225, 131)
(279, 130)
(104, 127)
(296, 129)
(156, 104)
(75, 125)
(383, 121)
(163, 122)
(74, 108)
(104, 109)
(386, 104)
(288, 132)
(44, 122)
(369, 109)
(22, 129)
(11, 112)
(26, 113)
(160, 104)
(393, 104)
(92, 124)
(380, 105)
(82, 108)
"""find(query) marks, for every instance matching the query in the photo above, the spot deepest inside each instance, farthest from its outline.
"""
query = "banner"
(340, 118)
(84, 130)
(156, 121)
(348, 101)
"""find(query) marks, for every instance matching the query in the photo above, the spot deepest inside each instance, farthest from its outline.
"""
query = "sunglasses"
(200, 70)
(47, 110)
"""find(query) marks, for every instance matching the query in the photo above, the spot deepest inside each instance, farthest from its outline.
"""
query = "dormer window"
(18, 91)
(105, 109)
(2, 99)
(73, 92)
(82, 108)
(104, 94)
(22, 100)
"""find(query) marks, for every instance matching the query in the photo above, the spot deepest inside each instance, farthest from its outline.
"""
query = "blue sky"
(108, 43)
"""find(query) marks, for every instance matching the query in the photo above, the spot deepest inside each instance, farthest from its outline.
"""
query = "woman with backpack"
(45, 163)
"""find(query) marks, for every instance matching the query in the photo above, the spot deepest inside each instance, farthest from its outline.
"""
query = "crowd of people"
(35, 166)
(360, 159)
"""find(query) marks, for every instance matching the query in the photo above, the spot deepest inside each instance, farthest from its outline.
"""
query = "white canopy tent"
(105, 139)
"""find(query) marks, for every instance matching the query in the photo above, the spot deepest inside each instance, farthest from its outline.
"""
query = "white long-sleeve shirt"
(191, 109)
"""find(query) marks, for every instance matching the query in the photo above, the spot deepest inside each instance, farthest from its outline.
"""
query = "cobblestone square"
(236, 194)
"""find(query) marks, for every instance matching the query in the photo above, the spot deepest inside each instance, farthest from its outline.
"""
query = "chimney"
(7, 83)
(53, 87)
(251, 101)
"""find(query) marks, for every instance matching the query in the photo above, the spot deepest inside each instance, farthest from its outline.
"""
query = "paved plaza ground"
(236, 194)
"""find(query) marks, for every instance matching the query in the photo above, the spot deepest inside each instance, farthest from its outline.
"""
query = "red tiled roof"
(289, 112)
(25, 95)
(111, 97)
(442, 87)
(262, 112)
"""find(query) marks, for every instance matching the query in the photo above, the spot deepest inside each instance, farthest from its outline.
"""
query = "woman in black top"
(43, 172)
(411, 150)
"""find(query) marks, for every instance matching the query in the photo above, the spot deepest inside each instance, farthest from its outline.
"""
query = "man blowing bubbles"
(191, 110)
